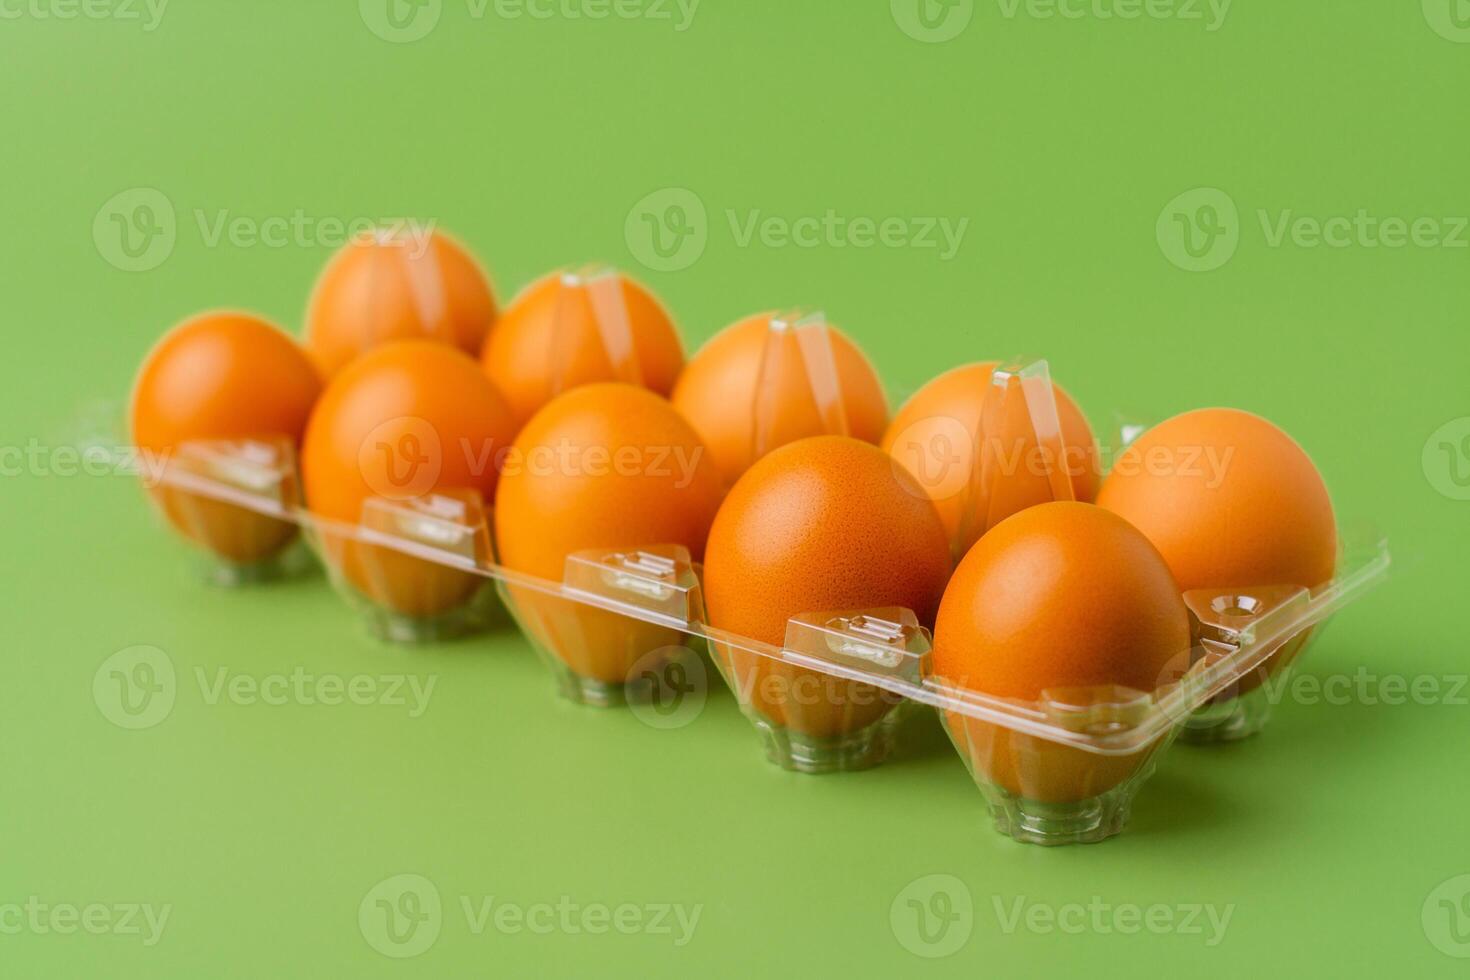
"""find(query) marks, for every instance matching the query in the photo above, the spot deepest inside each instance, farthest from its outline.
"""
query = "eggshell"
(385, 287)
(1060, 596)
(1229, 500)
(549, 341)
(1232, 503)
(937, 431)
(824, 524)
(718, 391)
(222, 376)
(405, 420)
(604, 466)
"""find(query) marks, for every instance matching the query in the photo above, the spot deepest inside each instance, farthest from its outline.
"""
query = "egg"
(1233, 504)
(1229, 500)
(823, 524)
(405, 420)
(606, 466)
(222, 376)
(551, 338)
(937, 431)
(397, 286)
(749, 390)
(1057, 597)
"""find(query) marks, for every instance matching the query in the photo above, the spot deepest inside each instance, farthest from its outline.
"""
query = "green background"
(1059, 139)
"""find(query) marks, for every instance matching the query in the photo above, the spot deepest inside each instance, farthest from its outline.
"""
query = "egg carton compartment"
(1061, 768)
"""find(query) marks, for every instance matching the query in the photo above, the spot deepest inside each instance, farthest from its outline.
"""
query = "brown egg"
(406, 420)
(747, 392)
(1057, 597)
(1229, 500)
(551, 339)
(222, 376)
(604, 466)
(397, 286)
(935, 435)
(825, 524)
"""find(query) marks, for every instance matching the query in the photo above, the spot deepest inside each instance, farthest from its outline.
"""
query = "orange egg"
(935, 435)
(1232, 503)
(604, 466)
(748, 391)
(397, 286)
(1229, 500)
(550, 339)
(825, 524)
(222, 376)
(403, 421)
(1060, 596)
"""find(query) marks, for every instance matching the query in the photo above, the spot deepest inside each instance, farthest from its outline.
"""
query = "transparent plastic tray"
(627, 625)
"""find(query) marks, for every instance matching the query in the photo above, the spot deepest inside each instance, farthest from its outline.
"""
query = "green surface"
(1335, 839)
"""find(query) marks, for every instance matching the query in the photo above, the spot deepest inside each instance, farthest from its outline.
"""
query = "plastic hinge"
(452, 522)
(658, 579)
(888, 641)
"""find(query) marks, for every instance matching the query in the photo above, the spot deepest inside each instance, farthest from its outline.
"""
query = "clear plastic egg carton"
(628, 625)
